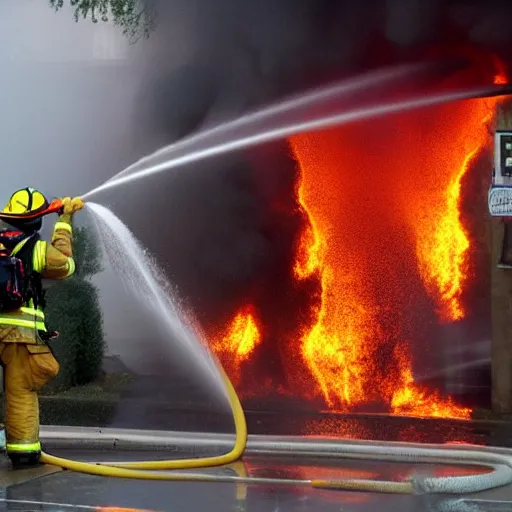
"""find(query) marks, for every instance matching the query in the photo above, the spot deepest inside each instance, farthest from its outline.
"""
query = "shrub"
(73, 309)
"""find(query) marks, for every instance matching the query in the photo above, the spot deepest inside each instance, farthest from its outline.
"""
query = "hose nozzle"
(66, 205)
(56, 206)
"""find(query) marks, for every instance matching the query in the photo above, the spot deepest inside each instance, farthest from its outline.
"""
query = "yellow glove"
(72, 205)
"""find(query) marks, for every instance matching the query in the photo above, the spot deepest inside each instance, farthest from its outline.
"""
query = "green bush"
(73, 309)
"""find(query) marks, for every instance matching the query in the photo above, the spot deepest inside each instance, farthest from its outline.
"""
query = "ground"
(47, 488)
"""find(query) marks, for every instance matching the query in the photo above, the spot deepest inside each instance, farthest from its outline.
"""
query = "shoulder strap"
(33, 284)
(26, 247)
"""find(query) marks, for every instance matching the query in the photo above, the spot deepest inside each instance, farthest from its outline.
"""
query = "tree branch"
(136, 18)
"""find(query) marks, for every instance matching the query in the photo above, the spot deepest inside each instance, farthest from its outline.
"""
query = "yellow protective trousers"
(27, 368)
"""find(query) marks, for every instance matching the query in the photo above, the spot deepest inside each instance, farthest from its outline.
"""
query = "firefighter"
(27, 360)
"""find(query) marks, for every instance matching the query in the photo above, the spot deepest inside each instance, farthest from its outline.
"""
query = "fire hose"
(499, 466)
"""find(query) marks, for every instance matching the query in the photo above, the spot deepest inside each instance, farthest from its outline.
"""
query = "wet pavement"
(65, 490)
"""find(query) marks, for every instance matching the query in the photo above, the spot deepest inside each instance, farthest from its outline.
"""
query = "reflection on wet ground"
(72, 489)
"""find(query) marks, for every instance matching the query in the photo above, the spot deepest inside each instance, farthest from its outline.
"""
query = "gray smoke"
(252, 51)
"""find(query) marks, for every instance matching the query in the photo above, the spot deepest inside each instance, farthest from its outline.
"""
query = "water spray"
(364, 82)
(291, 129)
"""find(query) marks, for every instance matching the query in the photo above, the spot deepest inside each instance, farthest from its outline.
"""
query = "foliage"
(74, 310)
(87, 253)
(135, 17)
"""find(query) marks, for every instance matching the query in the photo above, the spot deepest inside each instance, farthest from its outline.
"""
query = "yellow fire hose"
(500, 466)
(139, 470)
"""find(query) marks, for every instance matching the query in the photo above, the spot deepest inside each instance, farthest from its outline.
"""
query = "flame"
(434, 219)
(311, 247)
(442, 257)
(242, 336)
(410, 400)
(386, 245)
(337, 346)
(500, 78)
(336, 357)
(324, 350)
(355, 198)
(237, 344)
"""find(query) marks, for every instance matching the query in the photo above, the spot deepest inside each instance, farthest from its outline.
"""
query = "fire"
(237, 344)
(242, 336)
(336, 358)
(434, 219)
(442, 257)
(410, 400)
(366, 207)
(500, 78)
(311, 247)
(336, 346)
(385, 256)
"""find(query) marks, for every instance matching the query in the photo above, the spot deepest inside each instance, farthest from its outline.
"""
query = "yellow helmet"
(26, 202)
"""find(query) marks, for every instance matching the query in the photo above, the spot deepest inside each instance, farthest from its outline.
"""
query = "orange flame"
(337, 346)
(350, 194)
(410, 400)
(377, 221)
(311, 248)
(238, 343)
(434, 219)
(500, 78)
(442, 257)
(327, 351)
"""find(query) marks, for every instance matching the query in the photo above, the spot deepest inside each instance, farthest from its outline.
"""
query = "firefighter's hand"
(72, 205)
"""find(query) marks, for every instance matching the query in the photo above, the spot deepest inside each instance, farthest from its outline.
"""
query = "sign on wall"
(500, 194)
(500, 201)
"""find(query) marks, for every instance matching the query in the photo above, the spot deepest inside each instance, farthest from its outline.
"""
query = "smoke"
(67, 99)
(258, 50)
(61, 100)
